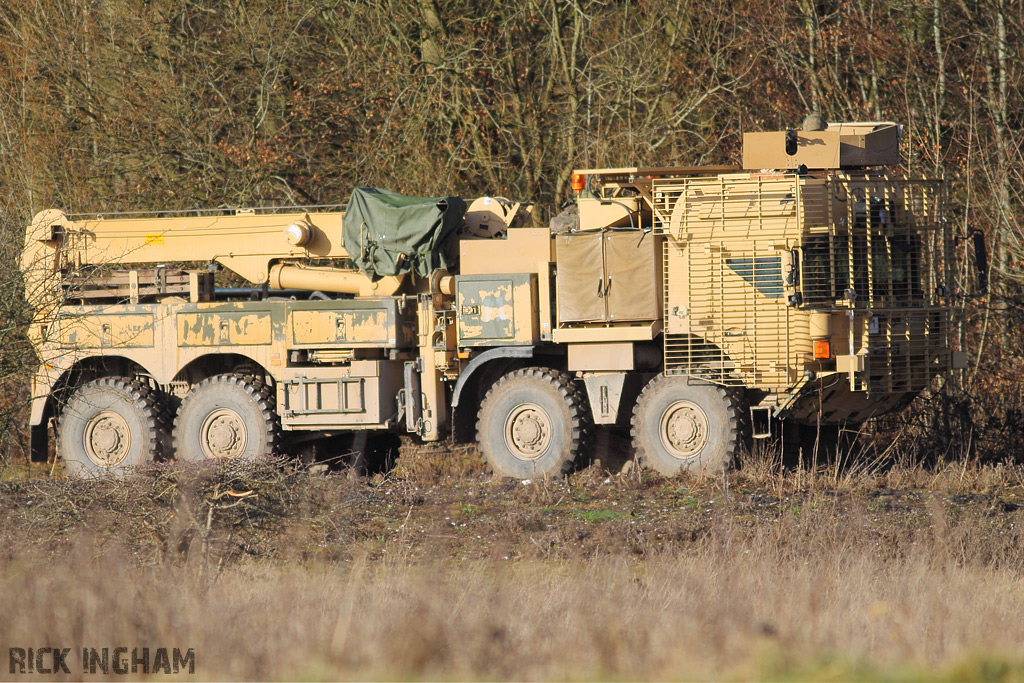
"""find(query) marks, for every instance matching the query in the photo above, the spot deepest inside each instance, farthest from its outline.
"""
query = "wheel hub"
(528, 431)
(107, 439)
(684, 429)
(223, 434)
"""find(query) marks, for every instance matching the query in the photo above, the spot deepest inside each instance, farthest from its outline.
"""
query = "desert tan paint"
(839, 145)
(722, 227)
(349, 328)
(216, 328)
(738, 259)
(166, 337)
(296, 276)
(246, 243)
(497, 310)
(132, 330)
(725, 242)
(519, 252)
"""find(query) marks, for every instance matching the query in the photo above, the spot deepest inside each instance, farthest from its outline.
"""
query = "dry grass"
(745, 610)
(896, 575)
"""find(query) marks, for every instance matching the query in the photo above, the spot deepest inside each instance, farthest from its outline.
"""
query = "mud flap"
(39, 442)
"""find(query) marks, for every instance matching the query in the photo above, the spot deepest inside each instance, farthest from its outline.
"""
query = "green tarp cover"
(386, 233)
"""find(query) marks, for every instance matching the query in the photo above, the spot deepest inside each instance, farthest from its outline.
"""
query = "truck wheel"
(681, 424)
(533, 423)
(226, 417)
(109, 425)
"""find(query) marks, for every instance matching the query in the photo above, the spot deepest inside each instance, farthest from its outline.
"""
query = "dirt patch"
(283, 512)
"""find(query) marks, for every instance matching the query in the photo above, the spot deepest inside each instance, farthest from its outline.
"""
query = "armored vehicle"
(696, 306)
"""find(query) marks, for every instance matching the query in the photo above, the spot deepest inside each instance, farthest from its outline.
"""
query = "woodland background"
(115, 105)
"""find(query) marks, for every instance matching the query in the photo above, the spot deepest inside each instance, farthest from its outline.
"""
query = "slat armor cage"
(749, 257)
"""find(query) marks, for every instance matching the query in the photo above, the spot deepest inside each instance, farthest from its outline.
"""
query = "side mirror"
(980, 259)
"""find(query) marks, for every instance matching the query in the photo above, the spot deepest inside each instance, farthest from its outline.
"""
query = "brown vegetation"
(869, 570)
(139, 105)
(897, 575)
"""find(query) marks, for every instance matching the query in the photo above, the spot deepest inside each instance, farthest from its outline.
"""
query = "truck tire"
(533, 423)
(226, 417)
(110, 425)
(682, 424)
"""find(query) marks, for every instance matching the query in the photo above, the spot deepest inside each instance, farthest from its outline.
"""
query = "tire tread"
(261, 394)
(730, 398)
(581, 431)
(149, 402)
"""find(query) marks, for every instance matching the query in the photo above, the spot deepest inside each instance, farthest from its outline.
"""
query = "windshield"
(888, 271)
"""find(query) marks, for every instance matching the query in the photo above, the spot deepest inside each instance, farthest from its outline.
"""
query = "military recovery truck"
(699, 306)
